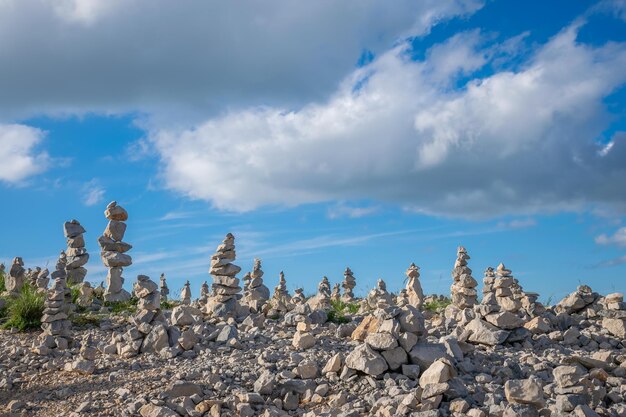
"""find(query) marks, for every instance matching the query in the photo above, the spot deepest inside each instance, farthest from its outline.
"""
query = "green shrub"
(168, 305)
(24, 311)
(122, 306)
(85, 319)
(3, 288)
(337, 314)
(337, 317)
(437, 305)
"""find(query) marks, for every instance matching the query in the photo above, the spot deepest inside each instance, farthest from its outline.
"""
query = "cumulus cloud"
(618, 238)
(93, 193)
(399, 130)
(19, 158)
(178, 60)
(343, 209)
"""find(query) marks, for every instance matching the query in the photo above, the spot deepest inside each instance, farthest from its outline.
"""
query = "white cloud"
(179, 60)
(517, 224)
(618, 238)
(19, 158)
(345, 210)
(93, 193)
(514, 142)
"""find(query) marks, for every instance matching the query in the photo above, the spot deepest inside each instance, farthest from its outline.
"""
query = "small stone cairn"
(298, 296)
(281, 301)
(165, 291)
(463, 289)
(504, 294)
(256, 294)
(225, 283)
(77, 256)
(113, 252)
(205, 293)
(15, 279)
(378, 295)
(43, 279)
(414, 291)
(321, 301)
(55, 321)
(348, 285)
(185, 294)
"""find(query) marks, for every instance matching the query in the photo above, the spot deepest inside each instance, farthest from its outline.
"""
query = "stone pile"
(489, 293)
(414, 291)
(256, 294)
(378, 295)
(281, 301)
(348, 285)
(389, 335)
(31, 276)
(85, 294)
(15, 279)
(205, 293)
(225, 283)
(85, 362)
(614, 315)
(463, 289)
(77, 255)
(572, 388)
(148, 332)
(578, 301)
(321, 300)
(42, 280)
(336, 293)
(55, 321)
(298, 296)
(303, 338)
(113, 252)
(165, 291)
(503, 288)
(185, 294)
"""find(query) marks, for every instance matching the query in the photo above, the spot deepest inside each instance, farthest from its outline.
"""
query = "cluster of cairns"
(505, 355)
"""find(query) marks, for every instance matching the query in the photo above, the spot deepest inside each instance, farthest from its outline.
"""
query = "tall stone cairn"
(165, 291)
(504, 294)
(464, 294)
(256, 294)
(43, 279)
(348, 285)
(14, 280)
(77, 255)
(414, 291)
(336, 294)
(614, 315)
(489, 293)
(55, 321)
(225, 282)
(113, 252)
(321, 300)
(204, 293)
(185, 294)
(281, 299)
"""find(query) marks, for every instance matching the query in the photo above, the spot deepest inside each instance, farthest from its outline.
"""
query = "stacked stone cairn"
(85, 295)
(348, 285)
(148, 330)
(489, 293)
(281, 301)
(185, 294)
(165, 291)
(614, 315)
(55, 321)
(389, 334)
(378, 295)
(85, 362)
(205, 292)
(77, 255)
(113, 252)
(43, 279)
(15, 279)
(298, 297)
(573, 389)
(578, 301)
(256, 294)
(225, 283)
(321, 301)
(414, 291)
(463, 289)
(31, 276)
(336, 294)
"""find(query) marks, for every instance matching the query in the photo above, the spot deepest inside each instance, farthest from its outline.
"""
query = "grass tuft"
(117, 307)
(437, 306)
(24, 311)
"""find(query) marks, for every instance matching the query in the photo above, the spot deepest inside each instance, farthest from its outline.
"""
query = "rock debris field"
(240, 349)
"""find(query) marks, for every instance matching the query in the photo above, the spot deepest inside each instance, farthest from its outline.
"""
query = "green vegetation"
(3, 288)
(337, 314)
(86, 319)
(117, 307)
(24, 311)
(168, 305)
(436, 306)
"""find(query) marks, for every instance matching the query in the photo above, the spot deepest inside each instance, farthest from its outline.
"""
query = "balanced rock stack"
(321, 301)
(379, 296)
(55, 323)
(256, 294)
(77, 255)
(414, 291)
(204, 293)
(389, 335)
(281, 301)
(463, 289)
(614, 315)
(43, 279)
(31, 275)
(165, 291)
(336, 294)
(225, 283)
(113, 252)
(85, 294)
(16, 278)
(578, 301)
(504, 294)
(489, 293)
(185, 294)
(149, 331)
(348, 285)
(298, 296)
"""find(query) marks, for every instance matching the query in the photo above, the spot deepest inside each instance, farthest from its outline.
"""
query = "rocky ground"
(574, 367)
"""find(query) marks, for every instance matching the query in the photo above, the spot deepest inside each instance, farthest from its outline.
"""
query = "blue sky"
(323, 136)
